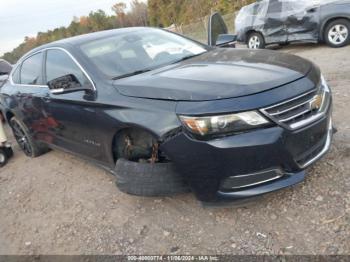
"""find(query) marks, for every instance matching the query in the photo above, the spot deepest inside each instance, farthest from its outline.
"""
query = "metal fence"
(199, 30)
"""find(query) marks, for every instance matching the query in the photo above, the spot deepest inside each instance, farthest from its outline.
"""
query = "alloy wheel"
(338, 34)
(254, 42)
(22, 139)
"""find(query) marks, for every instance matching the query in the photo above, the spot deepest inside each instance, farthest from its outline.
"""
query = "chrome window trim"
(43, 50)
(20, 65)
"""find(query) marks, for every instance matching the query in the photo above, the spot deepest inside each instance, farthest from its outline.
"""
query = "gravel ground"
(59, 204)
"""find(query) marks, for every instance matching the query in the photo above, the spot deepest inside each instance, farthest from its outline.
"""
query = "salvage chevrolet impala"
(166, 114)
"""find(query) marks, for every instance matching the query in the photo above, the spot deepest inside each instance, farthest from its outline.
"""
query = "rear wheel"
(337, 33)
(256, 41)
(24, 139)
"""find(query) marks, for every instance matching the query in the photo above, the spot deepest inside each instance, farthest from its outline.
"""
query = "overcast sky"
(20, 18)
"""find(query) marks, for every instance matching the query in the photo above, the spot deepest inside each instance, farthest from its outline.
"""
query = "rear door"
(30, 94)
(274, 27)
(302, 19)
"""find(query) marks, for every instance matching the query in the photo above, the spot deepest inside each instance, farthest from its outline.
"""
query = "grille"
(294, 113)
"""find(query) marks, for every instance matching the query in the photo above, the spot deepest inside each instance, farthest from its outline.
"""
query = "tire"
(337, 33)
(3, 157)
(255, 41)
(149, 180)
(25, 141)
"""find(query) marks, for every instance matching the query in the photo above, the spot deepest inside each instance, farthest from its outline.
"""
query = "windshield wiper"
(187, 57)
(131, 74)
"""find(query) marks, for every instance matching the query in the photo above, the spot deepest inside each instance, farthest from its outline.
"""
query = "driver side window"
(59, 64)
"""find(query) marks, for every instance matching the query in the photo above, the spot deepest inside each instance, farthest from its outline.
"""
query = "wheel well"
(323, 29)
(136, 144)
(248, 33)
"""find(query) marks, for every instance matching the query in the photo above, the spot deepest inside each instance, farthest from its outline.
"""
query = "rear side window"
(260, 9)
(275, 6)
(59, 63)
(31, 70)
(295, 6)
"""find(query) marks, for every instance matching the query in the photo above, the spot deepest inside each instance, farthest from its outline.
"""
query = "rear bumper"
(249, 164)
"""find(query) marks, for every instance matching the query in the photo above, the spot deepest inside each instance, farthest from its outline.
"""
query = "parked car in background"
(283, 21)
(229, 123)
(5, 69)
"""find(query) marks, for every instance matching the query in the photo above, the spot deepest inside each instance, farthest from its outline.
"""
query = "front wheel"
(256, 41)
(149, 180)
(337, 33)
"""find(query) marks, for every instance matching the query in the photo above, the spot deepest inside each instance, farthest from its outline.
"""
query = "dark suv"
(163, 112)
(5, 69)
(284, 21)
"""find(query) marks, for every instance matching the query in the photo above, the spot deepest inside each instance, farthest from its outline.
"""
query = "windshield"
(139, 51)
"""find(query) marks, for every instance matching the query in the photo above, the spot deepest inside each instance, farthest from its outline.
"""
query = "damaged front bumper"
(249, 164)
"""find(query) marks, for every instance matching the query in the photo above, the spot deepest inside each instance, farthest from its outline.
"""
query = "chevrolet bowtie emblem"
(316, 103)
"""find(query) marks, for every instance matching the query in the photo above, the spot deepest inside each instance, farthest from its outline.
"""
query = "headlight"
(214, 125)
(321, 100)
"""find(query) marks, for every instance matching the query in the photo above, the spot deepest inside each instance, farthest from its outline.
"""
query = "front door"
(72, 115)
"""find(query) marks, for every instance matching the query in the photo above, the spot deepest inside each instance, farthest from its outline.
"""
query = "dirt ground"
(59, 204)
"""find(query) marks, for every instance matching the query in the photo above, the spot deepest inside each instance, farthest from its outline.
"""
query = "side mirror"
(226, 41)
(5, 67)
(66, 84)
(216, 27)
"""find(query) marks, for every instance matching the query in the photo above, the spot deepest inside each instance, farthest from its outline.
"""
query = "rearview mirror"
(216, 27)
(5, 67)
(66, 84)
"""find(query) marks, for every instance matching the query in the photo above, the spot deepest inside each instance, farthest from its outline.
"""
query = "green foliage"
(168, 12)
(95, 21)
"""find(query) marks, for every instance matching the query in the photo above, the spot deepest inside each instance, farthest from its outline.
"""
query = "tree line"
(159, 13)
(95, 21)
(169, 12)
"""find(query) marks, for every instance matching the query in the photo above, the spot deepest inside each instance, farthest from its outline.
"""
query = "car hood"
(217, 74)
